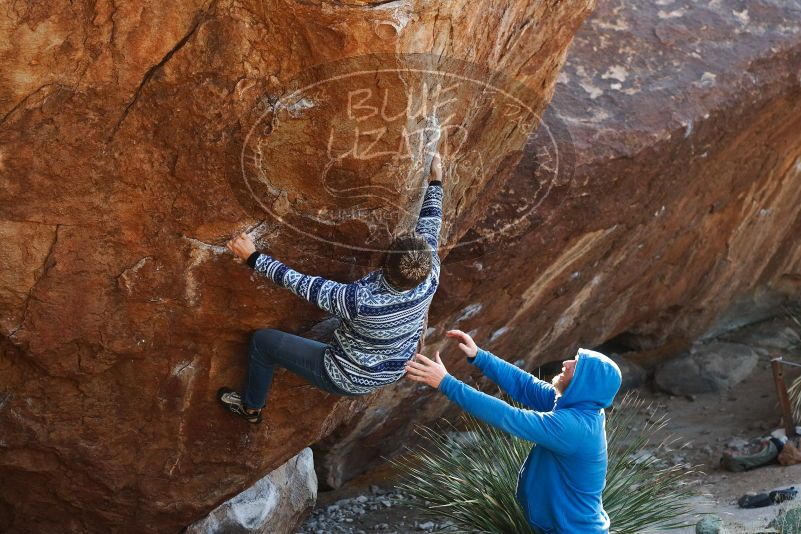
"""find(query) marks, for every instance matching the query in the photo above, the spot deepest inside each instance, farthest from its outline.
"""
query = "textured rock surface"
(683, 207)
(124, 133)
(273, 505)
(710, 524)
(788, 523)
(634, 375)
(707, 367)
(776, 337)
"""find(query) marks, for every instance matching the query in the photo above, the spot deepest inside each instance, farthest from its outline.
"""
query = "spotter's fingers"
(424, 359)
(416, 372)
(416, 365)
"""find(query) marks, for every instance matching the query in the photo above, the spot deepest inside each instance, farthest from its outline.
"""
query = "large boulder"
(713, 366)
(273, 505)
(685, 203)
(135, 138)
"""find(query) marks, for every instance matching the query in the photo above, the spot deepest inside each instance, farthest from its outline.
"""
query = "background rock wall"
(682, 216)
(122, 129)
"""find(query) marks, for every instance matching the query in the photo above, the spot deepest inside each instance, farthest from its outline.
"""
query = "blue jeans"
(304, 357)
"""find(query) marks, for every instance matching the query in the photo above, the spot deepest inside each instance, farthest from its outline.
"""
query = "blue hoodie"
(560, 484)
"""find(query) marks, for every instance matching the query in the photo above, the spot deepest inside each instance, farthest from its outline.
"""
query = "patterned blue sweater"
(380, 326)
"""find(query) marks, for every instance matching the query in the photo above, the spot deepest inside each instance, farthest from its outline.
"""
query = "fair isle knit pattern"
(380, 326)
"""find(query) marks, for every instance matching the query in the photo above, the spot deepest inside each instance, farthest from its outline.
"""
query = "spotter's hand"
(242, 246)
(426, 370)
(466, 342)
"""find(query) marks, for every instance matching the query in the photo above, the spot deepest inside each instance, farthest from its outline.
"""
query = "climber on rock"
(382, 316)
(560, 484)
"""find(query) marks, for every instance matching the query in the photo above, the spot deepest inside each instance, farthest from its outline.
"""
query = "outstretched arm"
(521, 386)
(335, 298)
(429, 222)
(552, 430)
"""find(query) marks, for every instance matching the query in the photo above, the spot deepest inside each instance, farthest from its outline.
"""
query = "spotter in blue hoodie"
(561, 483)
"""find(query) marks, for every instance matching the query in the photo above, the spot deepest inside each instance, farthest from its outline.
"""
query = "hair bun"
(415, 264)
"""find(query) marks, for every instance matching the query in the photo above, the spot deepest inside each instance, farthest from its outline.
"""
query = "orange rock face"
(135, 138)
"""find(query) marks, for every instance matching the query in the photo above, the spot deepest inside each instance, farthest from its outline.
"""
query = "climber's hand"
(466, 342)
(426, 370)
(436, 168)
(242, 246)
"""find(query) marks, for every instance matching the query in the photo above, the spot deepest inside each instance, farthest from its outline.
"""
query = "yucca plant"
(471, 480)
(643, 492)
(793, 313)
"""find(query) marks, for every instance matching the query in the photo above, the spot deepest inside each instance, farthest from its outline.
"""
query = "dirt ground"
(746, 411)
(705, 422)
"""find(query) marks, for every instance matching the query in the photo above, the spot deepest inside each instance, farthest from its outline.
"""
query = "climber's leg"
(269, 348)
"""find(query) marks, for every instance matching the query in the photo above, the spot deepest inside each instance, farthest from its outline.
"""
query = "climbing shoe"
(755, 500)
(782, 495)
(759, 500)
(232, 401)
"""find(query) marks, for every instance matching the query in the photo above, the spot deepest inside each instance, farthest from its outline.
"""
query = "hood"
(595, 382)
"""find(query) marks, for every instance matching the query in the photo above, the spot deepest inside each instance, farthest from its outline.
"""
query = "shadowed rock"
(710, 367)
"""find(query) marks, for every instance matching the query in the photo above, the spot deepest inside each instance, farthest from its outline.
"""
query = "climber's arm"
(429, 223)
(334, 297)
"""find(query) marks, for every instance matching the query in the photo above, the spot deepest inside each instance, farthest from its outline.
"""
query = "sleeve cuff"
(447, 383)
(252, 259)
(435, 182)
(479, 359)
